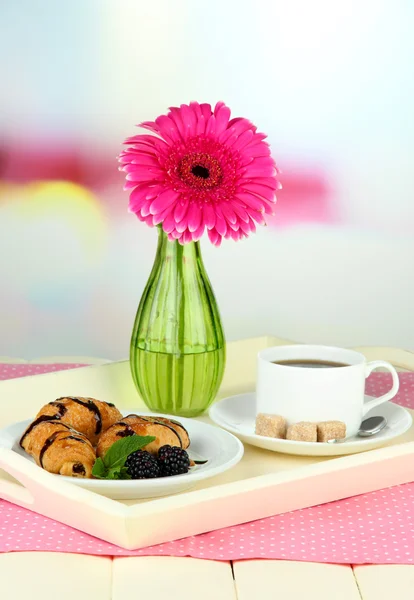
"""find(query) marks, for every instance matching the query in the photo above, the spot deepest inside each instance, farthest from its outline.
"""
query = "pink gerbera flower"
(201, 171)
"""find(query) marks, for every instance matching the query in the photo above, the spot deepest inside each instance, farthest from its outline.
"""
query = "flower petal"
(168, 128)
(222, 114)
(237, 129)
(253, 225)
(137, 199)
(221, 225)
(261, 190)
(201, 125)
(175, 115)
(189, 120)
(213, 236)
(257, 216)
(175, 234)
(256, 148)
(201, 118)
(196, 108)
(128, 185)
(246, 227)
(147, 161)
(237, 119)
(194, 216)
(240, 211)
(145, 173)
(182, 225)
(180, 210)
(209, 216)
(150, 140)
(264, 161)
(161, 216)
(228, 213)
(187, 237)
(218, 106)
(271, 182)
(164, 201)
(132, 154)
(258, 171)
(250, 200)
(206, 111)
(168, 224)
(222, 119)
(151, 126)
(197, 234)
(145, 209)
(211, 126)
(243, 140)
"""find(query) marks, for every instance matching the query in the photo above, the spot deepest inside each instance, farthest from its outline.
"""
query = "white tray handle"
(53, 497)
(43, 486)
(34, 481)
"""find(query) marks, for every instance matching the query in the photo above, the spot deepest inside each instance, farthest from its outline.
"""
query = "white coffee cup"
(306, 393)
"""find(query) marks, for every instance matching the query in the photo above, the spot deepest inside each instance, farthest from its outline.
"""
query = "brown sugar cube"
(302, 432)
(273, 426)
(331, 430)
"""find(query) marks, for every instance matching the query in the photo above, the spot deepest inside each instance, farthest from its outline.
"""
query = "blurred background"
(330, 82)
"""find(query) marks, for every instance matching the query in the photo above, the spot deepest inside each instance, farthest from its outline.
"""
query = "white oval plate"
(237, 414)
(220, 448)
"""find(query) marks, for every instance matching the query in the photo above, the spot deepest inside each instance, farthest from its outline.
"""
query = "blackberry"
(173, 461)
(142, 465)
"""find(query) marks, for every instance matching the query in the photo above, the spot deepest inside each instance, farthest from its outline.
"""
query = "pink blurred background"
(332, 86)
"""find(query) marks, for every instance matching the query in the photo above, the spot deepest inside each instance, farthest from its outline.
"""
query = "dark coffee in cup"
(309, 363)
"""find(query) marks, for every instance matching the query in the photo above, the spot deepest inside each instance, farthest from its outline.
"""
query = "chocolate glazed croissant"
(58, 448)
(86, 415)
(164, 430)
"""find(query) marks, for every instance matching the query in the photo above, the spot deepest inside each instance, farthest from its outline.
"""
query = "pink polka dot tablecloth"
(374, 528)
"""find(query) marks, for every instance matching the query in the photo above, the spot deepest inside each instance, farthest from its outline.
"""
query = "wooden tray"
(263, 484)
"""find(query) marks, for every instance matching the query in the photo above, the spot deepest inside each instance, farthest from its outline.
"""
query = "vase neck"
(178, 313)
(173, 250)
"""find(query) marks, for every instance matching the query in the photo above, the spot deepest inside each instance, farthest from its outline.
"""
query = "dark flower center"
(200, 171)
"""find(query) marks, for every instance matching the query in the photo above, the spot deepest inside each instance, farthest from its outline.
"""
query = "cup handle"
(371, 366)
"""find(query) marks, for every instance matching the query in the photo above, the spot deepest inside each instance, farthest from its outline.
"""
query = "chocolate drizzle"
(52, 438)
(36, 422)
(47, 445)
(90, 405)
(125, 432)
(61, 407)
(180, 425)
(75, 437)
(110, 404)
(154, 420)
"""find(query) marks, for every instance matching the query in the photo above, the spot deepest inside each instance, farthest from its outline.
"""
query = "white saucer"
(222, 450)
(237, 414)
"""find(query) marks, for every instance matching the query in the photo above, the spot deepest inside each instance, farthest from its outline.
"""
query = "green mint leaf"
(99, 470)
(121, 449)
(121, 473)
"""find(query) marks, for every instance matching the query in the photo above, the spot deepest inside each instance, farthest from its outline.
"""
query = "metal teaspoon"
(368, 428)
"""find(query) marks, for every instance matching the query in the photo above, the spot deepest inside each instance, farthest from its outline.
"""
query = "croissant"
(164, 430)
(86, 415)
(58, 448)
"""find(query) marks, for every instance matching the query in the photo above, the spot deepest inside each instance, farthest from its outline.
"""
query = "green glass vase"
(178, 350)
